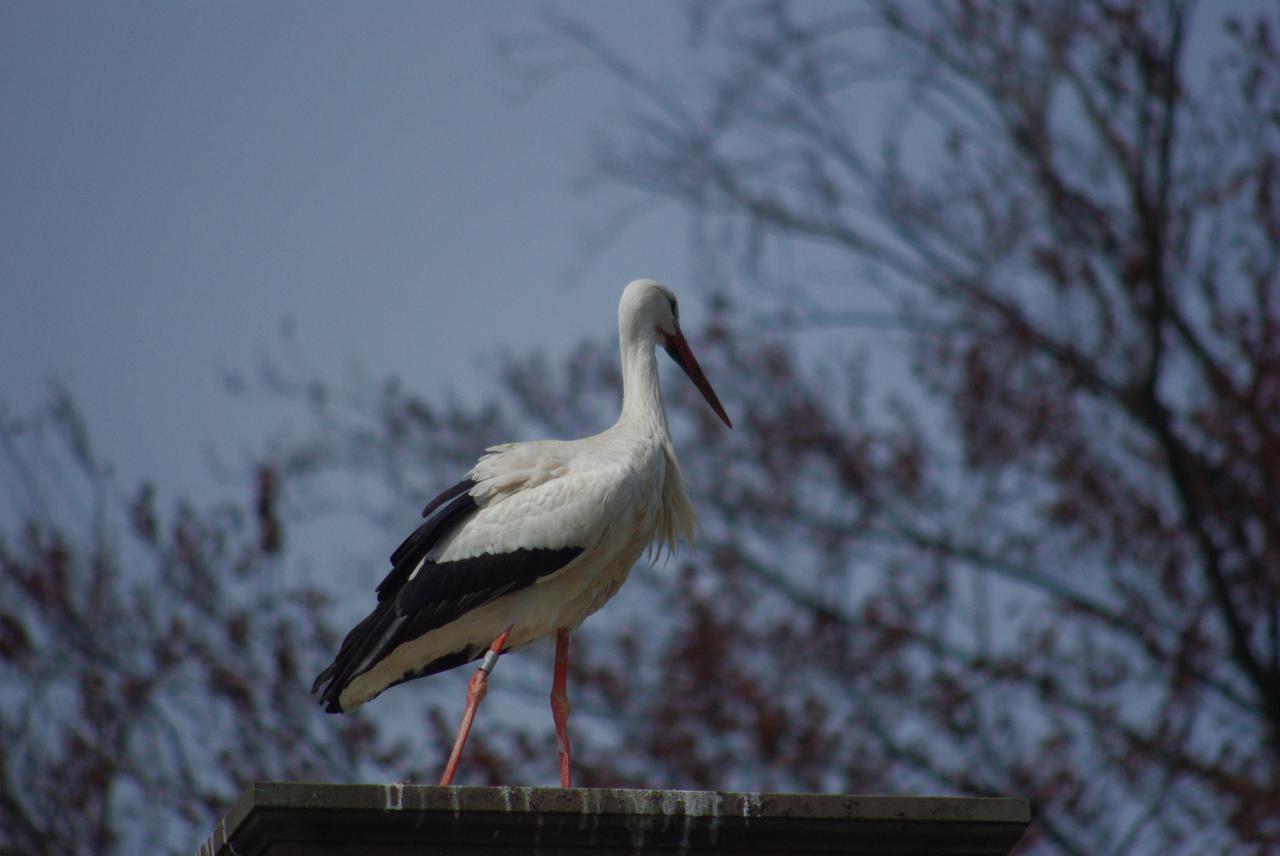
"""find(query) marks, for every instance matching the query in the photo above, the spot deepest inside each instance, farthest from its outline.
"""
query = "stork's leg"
(475, 694)
(560, 702)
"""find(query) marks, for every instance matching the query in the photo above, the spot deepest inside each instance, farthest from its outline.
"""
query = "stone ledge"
(293, 819)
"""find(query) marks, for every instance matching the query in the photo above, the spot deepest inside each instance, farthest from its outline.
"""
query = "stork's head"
(648, 304)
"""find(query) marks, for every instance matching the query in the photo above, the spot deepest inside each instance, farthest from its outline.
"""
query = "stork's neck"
(641, 393)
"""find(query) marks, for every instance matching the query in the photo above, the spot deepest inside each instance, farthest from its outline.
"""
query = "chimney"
(299, 819)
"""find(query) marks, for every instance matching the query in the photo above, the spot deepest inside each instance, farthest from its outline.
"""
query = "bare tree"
(1043, 555)
(151, 660)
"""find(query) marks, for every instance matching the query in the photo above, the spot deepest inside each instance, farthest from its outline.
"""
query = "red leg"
(475, 694)
(560, 702)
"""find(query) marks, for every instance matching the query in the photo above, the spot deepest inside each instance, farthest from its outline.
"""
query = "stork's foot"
(476, 690)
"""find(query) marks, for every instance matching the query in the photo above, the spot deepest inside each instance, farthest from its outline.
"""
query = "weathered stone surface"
(293, 819)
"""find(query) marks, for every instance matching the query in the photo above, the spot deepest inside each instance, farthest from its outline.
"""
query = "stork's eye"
(675, 310)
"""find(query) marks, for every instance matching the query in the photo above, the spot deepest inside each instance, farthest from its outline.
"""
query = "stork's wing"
(452, 507)
(422, 594)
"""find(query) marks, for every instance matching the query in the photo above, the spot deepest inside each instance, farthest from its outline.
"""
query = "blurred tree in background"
(1040, 552)
(994, 297)
(150, 658)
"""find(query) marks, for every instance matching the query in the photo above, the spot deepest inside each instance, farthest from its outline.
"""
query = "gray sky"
(178, 179)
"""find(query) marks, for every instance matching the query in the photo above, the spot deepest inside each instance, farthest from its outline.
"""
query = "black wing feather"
(457, 490)
(403, 561)
(426, 536)
(439, 594)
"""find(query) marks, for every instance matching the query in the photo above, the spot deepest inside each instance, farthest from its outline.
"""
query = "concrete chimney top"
(293, 819)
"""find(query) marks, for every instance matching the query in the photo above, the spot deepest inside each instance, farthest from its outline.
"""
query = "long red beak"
(678, 349)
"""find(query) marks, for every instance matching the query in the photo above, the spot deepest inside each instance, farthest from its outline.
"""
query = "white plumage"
(537, 537)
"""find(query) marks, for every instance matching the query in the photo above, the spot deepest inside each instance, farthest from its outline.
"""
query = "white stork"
(537, 537)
